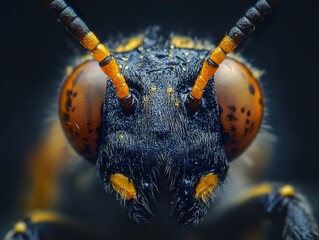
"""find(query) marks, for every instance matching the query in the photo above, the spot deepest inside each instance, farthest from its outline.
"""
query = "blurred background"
(36, 50)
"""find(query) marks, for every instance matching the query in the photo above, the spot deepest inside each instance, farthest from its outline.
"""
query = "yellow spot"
(256, 192)
(146, 98)
(45, 217)
(287, 191)
(121, 135)
(139, 65)
(186, 54)
(182, 42)
(126, 67)
(130, 44)
(153, 88)
(124, 59)
(141, 57)
(187, 42)
(123, 186)
(184, 69)
(169, 90)
(68, 70)
(206, 186)
(177, 103)
(120, 66)
(20, 227)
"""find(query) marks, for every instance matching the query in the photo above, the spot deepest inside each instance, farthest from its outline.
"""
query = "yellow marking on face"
(20, 227)
(182, 42)
(206, 186)
(256, 192)
(121, 135)
(287, 191)
(130, 44)
(153, 88)
(177, 103)
(123, 186)
(170, 54)
(169, 90)
(146, 98)
(189, 43)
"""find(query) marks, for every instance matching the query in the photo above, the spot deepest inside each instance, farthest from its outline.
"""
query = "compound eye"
(80, 108)
(241, 105)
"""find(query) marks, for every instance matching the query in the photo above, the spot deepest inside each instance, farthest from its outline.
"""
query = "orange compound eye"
(241, 103)
(80, 107)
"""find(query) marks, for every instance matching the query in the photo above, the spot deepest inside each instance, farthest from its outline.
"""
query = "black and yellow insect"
(168, 109)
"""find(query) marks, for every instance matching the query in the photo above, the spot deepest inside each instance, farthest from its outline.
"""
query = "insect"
(163, 115)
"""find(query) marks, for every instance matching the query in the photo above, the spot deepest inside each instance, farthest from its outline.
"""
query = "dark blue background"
(35, 50)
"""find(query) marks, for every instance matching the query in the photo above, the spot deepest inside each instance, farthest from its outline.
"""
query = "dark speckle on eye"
(261, 102)
(251, 89)
(251, 127)
(242, 110)
(86, 149)
(231, 117)
(232, 108)
(66, 117)
(246, 132)
(247, 121)
(248, 113)
(68, 104)
(68, 93)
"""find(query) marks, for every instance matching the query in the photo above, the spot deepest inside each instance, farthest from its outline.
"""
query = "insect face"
(165, 110)
(161, 134)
